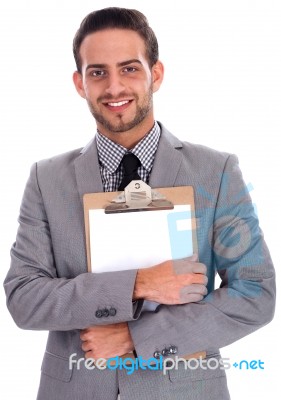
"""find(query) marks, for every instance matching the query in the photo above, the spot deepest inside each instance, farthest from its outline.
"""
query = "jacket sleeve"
(38, 299)
(245, 300)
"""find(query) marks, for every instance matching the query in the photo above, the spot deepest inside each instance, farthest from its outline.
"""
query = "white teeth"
(121, 103)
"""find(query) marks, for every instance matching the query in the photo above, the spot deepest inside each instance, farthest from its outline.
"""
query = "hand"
(106, 341)
(172, 282)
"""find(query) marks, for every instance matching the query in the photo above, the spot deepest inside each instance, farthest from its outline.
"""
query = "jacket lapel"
(165, 169)
(87, 170)
(167, 161)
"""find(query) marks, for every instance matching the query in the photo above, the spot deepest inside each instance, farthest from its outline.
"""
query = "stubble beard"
(142, 111)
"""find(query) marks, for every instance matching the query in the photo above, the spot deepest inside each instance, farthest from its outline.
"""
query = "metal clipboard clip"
(138, 196)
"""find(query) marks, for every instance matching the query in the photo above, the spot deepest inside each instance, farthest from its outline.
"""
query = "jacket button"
(99, 313)
(173, 349)
(157, 354)
(105, 312)
(165, 352)
(112, 311)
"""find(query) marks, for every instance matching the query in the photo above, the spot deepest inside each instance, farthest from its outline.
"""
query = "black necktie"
(130, 164)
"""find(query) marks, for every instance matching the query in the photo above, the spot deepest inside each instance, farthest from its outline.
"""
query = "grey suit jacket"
(48, 287)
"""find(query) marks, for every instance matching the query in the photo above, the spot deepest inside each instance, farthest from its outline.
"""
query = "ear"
(78, 82)
(157, 75)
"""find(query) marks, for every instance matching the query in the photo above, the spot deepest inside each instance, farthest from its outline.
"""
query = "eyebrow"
(120, 64)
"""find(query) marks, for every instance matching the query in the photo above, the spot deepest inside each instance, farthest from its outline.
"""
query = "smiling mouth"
(120, 103)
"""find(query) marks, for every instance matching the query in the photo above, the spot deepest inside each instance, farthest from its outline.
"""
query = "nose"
(115, 85)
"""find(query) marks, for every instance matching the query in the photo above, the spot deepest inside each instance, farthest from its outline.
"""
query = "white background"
(221, 89)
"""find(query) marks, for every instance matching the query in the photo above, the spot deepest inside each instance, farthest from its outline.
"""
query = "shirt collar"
(110, 153)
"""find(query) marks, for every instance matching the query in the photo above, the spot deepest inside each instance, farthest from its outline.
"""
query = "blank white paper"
(142, 239)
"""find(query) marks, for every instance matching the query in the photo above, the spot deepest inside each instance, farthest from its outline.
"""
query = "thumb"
(194, 257)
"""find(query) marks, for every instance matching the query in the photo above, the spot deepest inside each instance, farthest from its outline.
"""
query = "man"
(102, 315)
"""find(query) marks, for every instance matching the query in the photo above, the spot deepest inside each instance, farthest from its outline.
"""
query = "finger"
(191, 298)
(86, 346)
(193, 258)
(199, 268)
(198, 278)
(194, 289)
(83, 335)
(184, 266)
(190, 279)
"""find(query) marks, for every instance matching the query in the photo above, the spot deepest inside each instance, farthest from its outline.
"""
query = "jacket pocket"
(210, 368)
(56, 367)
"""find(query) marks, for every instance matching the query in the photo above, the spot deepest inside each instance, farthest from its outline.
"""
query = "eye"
(129, 69)
(97, 73)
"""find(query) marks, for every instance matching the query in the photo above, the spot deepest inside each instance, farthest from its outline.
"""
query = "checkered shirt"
(110, 156)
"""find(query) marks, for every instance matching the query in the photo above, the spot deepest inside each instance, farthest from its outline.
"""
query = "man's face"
(117, 81)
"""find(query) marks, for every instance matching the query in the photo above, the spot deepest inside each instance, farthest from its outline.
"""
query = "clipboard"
(139, 197)
(176, 196)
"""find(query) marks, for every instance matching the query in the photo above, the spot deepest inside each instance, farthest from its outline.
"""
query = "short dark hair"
(116, 17)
